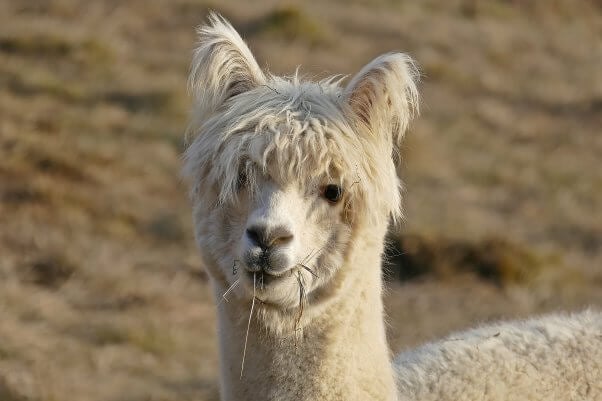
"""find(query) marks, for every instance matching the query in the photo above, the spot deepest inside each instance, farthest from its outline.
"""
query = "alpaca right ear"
(222, 67)
(383, 96)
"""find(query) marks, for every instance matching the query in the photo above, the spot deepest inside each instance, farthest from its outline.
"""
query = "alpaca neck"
(342, 353)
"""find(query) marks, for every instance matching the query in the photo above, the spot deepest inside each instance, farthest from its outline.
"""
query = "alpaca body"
(553, 358)
(293, 185)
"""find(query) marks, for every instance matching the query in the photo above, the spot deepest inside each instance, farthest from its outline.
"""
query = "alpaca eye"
(332, 193)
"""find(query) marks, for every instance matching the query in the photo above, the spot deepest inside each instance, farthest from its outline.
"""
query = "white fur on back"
(553, 358)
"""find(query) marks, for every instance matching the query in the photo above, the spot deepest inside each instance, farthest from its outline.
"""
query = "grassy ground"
(102, 295)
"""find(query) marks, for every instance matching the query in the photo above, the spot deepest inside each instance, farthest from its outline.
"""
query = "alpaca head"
(284, 172)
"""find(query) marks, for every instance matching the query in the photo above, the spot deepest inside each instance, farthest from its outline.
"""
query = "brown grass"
(101, 290)
(492, 258)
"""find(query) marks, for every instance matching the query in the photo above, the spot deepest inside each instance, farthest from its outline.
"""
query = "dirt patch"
(50, 271)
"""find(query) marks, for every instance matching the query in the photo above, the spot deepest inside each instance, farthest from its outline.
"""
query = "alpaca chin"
(276, 292)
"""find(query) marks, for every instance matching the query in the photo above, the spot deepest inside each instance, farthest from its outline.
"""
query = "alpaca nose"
(268, 237)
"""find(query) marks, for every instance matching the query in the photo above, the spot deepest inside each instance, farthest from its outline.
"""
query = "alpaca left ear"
(383, 96)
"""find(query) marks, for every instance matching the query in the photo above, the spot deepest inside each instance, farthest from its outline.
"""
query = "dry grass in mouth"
(302, 299)
(244, 352)
(234, 284)
(309, 270)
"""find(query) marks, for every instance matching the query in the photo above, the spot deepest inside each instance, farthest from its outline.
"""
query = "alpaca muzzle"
(267, 250)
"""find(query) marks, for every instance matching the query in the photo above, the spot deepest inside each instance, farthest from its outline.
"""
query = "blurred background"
(102, 295)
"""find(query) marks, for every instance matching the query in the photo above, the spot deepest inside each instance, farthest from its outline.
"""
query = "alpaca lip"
(265, 273)
(266, 263)
(263, 277)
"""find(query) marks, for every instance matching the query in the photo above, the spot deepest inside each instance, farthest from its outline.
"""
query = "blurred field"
(102, 295)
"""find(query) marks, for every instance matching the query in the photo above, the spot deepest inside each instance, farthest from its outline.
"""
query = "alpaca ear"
(222, 67)
(383, 96)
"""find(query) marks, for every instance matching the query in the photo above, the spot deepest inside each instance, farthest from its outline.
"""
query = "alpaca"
(293, 184)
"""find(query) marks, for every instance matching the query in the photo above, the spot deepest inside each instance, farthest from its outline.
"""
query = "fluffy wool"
(553, 358)
(293, 185)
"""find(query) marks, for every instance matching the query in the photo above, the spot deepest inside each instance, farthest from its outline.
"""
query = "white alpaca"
(293, 185)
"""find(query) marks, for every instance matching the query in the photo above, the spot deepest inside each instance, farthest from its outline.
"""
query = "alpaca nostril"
(265, 237)
(257, 236)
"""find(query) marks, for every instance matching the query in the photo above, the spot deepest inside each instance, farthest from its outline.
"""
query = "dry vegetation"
(102, 295)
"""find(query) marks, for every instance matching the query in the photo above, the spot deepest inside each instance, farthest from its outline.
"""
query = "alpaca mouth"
(264, 278)
(267, 267)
